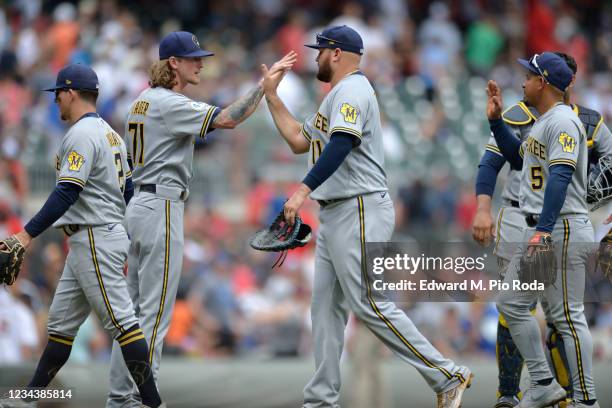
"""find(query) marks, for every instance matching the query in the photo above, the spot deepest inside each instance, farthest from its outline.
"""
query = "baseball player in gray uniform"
(552, 195)
(161, 128)
(347, 177)
(88, 204)
(508, 231)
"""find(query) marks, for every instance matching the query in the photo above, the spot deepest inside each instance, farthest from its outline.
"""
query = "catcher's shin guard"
(557, 359)
(509, 362)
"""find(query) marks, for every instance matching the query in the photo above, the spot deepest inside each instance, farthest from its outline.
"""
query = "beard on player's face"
(325, 69)
(530, 89)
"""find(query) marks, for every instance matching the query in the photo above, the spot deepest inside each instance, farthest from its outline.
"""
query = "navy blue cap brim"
(344, 47)
(194, 54)
(199, 53)
(55, 88)
(526, 64)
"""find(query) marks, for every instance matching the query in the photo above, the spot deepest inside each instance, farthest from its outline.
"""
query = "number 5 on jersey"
(537, 178)
(137, 131)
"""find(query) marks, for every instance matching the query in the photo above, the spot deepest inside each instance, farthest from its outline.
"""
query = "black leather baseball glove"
(281, 237)
(539, 262)
(11, 257)
(604, 255)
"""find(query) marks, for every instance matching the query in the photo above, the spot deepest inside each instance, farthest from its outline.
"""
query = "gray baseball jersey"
(365, 214)
(161, 128)
(93, 156)
(520, 118)
(350, 107)
(557, 137)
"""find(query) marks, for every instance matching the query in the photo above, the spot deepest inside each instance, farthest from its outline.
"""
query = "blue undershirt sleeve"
(62, 197)
(509, 144)
(488, 169)
(333, 155)
(128, 192)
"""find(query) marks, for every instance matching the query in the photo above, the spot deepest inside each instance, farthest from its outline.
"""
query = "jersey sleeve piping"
(345, 130)
(305, 133)
(494, 149)
(207, 120)
(72, 180)
(567, 162)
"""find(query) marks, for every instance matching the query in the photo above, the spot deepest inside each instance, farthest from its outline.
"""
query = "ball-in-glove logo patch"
(568, 142)
(75, 161)
(349, 112)
(198, 106)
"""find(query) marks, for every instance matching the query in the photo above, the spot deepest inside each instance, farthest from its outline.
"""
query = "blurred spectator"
(63, 35)
(466, 209)
(91, 343)
(540, 27)
(439, 42)
(9, 221)
(292, 36)
(18, 332)
(483, 44)
(216, 293)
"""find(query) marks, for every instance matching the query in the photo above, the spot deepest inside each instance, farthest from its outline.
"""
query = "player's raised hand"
(285, 63)
(273, 75)
(494, 101)
(483, 228)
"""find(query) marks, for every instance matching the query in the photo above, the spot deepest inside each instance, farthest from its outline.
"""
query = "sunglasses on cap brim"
(534, 62)
(330, 40)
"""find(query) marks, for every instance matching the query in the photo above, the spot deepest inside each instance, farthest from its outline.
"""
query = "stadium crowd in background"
(230, 302)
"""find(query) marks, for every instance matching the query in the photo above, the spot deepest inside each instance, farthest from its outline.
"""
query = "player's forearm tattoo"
(243, 107)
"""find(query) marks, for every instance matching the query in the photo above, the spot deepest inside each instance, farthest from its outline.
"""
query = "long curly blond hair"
(161, 74)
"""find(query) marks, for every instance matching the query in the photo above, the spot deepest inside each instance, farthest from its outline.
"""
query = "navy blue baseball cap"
(551, 67)
(181, 44)
(76, 76)
(343, 37)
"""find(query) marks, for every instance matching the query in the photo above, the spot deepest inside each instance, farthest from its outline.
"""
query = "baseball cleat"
(16, 403)
(507, 401)
(578, 404)
(146, 406)
(563, 404)
(452, 398)
(540, 396)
